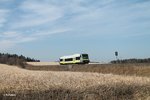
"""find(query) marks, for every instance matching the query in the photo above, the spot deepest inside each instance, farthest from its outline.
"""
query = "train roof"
(71, 56)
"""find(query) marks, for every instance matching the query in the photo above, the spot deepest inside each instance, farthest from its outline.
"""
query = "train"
(74, 59)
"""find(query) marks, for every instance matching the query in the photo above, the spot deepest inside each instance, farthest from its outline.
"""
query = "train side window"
(69, 59)
(77, 58)
(61, 59)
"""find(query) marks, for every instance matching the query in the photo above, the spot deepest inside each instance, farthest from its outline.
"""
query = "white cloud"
(6, 44)
(11, 38)
(112, 19)
(3, 15)
(11, 34)
(3, 1)
(45, 33)
(104, 17)
(36, 13)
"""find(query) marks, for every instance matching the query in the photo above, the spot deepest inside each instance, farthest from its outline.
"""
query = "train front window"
(85, 56)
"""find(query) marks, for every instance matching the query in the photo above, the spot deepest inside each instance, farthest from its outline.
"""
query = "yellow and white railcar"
(74, 59)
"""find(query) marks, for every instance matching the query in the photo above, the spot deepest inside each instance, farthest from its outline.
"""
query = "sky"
(48, 29)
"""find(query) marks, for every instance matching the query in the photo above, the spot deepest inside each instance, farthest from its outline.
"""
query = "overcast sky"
(48, 29)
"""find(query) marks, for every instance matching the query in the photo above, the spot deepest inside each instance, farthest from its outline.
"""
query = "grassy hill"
(22, 84)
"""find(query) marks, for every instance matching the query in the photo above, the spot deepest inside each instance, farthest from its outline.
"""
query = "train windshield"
(85, 56)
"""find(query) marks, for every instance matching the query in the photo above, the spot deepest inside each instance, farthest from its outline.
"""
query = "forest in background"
(133, 60)
(14, 59)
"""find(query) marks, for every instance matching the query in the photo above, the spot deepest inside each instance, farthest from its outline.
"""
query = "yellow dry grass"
(42, 63)
(135, 69)
(81, 85)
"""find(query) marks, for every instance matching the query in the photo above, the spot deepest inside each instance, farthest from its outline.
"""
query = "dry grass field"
(22, 84)
(42, 63)
(137, 69)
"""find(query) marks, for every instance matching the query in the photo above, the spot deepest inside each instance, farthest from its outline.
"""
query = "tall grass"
(52, 85)
(137, 69)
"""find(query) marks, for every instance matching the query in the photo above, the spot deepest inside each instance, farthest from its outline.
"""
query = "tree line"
(134, 60)
(14, 59)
